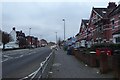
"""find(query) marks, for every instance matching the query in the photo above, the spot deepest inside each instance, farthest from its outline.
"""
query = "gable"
(115, 11)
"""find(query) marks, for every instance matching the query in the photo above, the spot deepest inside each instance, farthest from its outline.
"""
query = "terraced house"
(115, 24)
(102, 27)
(83, 32)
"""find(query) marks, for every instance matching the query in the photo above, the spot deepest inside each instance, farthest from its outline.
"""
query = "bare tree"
(22, 42)
(59, 42)
(5, 38)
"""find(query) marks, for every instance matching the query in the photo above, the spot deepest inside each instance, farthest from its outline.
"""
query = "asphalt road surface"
(20, 63)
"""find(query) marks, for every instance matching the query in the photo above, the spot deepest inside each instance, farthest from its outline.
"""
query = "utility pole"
(64, 28)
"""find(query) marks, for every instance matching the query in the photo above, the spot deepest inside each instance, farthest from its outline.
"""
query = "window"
(113, 22)
(96, 26)
(104, 12)
(118, 40)
(97, 29)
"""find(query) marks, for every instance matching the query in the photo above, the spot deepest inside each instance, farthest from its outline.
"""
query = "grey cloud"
(46, 18)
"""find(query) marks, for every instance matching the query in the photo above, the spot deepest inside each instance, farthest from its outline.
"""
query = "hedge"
(105, 45)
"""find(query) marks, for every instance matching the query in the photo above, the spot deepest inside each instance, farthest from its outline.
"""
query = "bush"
(106, 45)
(65, 48)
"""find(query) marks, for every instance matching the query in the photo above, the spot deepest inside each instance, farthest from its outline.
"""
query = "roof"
(117, 32)
(85, 22)
(101, 11)
(115, 11)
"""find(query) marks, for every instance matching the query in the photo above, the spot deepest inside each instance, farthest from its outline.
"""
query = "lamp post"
(29, 31)
(56, 37)
(64, 28)
(40, 40)
(30, 38)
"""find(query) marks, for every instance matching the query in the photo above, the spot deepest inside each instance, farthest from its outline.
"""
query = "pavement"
(67, 66)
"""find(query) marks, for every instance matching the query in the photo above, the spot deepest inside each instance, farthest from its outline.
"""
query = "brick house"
(21, 39)
(102, 27)
(43, 42)
(115, 24)
(99, 22)
(30, 40)
(83, 32)
(36, 42)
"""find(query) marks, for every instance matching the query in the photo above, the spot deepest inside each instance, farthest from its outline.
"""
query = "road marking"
(50, 72)
(21, 55)
(16, 57)
(5, 56)
(33, 74)
(5, 60)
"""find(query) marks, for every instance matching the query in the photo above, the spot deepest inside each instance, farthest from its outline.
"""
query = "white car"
(8, 47)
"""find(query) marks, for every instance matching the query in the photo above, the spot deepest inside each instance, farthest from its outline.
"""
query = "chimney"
(21, 31)
(111, 5)
(14, 28)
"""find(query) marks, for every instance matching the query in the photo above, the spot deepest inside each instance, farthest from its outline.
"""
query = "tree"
(5, 38)
(59, 42)
(22, 42)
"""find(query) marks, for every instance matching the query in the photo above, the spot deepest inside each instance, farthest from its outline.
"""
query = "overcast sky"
(45, 18)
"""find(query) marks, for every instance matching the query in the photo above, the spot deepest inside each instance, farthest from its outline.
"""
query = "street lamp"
(40, 40)
(64, 28)
(30, 38)
(56, 37)
(29, 31)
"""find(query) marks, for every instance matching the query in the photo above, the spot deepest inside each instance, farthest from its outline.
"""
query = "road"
(20, 63)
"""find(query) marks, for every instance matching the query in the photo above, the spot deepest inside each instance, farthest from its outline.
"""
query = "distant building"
(43, 42)
(29, 40)
(51, 43)
(13, 35)
(21, 39)
(13, 42)
(32, 41)
(36, 42)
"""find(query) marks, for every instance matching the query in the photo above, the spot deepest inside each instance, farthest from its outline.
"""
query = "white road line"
(33, 74)
(5, 60)
(21, 55)
(5, 56)
(16, 57)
